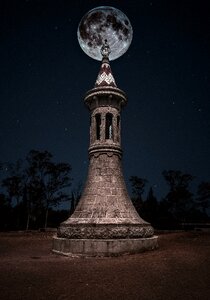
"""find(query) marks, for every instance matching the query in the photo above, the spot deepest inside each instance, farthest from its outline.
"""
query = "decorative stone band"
(105, 231)
(93, 97)
(99, 149)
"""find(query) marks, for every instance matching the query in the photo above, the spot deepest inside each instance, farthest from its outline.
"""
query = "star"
(18, 123)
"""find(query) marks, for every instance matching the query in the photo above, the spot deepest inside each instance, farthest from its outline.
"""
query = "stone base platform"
(102, 247)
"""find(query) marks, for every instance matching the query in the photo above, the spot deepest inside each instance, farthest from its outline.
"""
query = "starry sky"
(44, 75)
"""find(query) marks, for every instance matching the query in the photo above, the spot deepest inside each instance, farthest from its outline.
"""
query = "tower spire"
(105, 76)
(105, 49)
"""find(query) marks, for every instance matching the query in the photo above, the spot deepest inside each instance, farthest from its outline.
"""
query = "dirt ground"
(179, 269)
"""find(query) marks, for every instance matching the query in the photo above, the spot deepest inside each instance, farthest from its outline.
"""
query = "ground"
(179, 269)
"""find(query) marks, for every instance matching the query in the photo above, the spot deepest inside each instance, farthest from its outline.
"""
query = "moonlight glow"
(105, 23)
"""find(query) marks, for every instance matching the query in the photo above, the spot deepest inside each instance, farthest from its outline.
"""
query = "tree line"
(178, 206)
(33, 189)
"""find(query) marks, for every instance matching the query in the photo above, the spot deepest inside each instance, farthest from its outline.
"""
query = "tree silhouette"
(150, 208)
(138, 185)
(47, 181)
(13, 185)
(57, 179)
(35, 188)
(203, 198)
(14, 188)
(37, 163)
(179, 199)
(5, 211)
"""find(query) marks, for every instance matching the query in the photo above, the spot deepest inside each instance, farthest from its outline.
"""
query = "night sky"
(44, 75)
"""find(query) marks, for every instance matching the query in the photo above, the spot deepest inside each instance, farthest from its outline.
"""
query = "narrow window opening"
(98, 126)
(109, 126)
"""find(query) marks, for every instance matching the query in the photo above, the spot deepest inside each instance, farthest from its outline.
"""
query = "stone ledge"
(101, 247)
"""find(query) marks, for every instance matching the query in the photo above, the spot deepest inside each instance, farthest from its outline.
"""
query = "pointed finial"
(105, 49)
(105, 77)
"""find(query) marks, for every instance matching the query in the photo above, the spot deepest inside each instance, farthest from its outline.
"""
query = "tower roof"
(105, 84)
(105, 76)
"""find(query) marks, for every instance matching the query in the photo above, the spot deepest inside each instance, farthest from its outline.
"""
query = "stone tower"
(105, 221)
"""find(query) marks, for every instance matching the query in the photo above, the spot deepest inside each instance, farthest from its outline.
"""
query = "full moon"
(104, 23)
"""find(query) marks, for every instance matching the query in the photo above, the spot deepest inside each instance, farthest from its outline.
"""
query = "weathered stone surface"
(105, 199)
(98, 247)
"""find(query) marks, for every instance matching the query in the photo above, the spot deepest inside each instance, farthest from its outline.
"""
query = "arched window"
(109, 127)
(98, 126)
